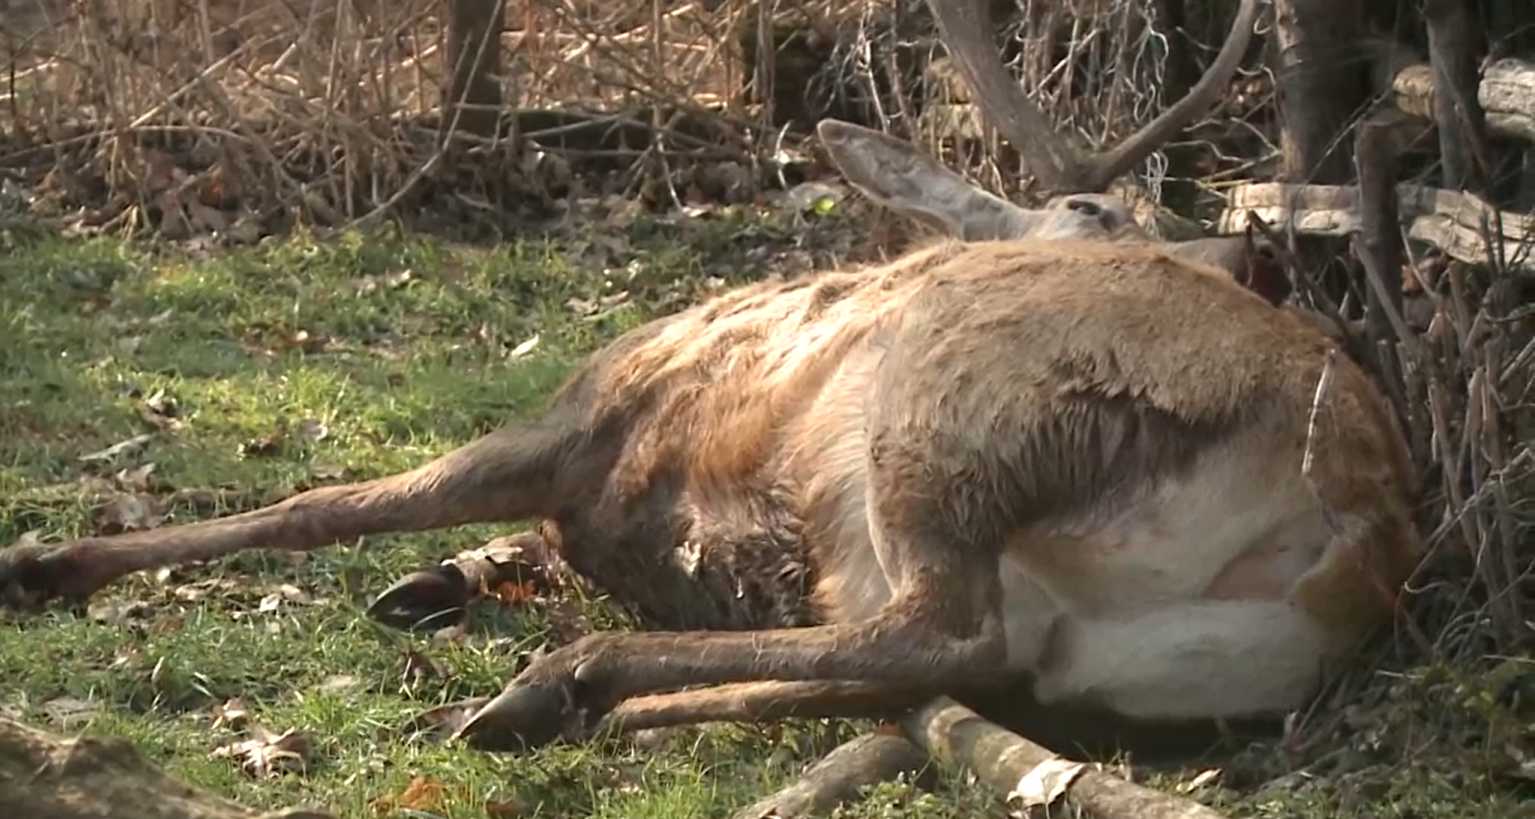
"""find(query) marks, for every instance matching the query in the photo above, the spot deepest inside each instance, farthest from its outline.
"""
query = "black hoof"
(426, 600)
(521, 718)
(33, 576)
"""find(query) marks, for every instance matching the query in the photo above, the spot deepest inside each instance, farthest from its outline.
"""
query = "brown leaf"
(266, 754)
(444, 720)
(137, 479)
(69, 712)
(119, 449)
(128, 512)
(422, 794)
(512, 593)
(231, 714)
(505, 809)
(418, 668)
(266, 445)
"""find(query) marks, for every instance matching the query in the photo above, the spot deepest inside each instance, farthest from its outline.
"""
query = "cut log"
(1507, 95)
(44, 776)
(865, 760)
(954, 734)
(1451, 221)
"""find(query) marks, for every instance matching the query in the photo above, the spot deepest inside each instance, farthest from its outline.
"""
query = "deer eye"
(1084, 207)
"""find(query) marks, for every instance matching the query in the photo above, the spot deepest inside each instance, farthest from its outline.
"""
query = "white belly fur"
(1126, 608)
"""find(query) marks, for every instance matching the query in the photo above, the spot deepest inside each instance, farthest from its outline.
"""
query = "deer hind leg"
(942, 624)
(503, 476)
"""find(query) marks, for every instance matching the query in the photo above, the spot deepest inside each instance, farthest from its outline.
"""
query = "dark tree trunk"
(1454, 45)
(474, 54)
(1321, 85)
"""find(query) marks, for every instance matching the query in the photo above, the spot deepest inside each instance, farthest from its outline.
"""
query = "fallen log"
(1452, 221)
(1506, 92)
(45, 776)
(862, 761)
(954, 734)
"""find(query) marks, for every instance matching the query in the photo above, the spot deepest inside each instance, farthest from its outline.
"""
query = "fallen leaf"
(119, 449)
(117, 612)
(1045, 783)
(231, 714)
(69, 712)
(422, 794)
(327, 471)
(418, 668)
(338, 683)
(505, 809)
(443, 721)
(161, 413)
(267, 754)
(513, 593)
(1200, 780)
(313, 430)
(137, 479)
(525, 347)
(266, 445)
(286, 593)
(128, 512)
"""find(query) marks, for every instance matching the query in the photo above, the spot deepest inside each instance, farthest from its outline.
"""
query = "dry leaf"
(422, 794)
(313, 430)
(512, 593)
(268, 444)
(267, 754)
(126, 512)
(445, 720)
(1200, 780)
(505, 809)
(231, 714)
(137, 479)
(69, 712)
(117, 612)
(324, 471)
(418, 668)
(119, 449)
(1045, 783)
(525, 347)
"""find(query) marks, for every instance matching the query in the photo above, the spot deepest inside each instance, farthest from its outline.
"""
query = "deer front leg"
(503, 476)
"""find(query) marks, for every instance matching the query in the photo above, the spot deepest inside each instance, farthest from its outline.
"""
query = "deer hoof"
(520, 718)
(426, 600)
(33, 575)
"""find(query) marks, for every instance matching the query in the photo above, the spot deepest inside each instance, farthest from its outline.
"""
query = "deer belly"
(1235, 527)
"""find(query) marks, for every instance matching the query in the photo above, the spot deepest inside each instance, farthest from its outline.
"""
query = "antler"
(1056, 162)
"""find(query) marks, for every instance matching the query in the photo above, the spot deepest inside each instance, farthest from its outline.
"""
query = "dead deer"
(1058, 457)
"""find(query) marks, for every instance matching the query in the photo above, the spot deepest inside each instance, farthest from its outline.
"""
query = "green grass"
(401, 348)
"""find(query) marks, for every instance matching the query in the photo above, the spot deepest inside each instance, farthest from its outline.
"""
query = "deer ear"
(897, 176)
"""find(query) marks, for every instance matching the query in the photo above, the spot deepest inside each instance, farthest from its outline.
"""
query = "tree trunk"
(1320, 83)
(1453, 46)
(43, 776)
(474, 49)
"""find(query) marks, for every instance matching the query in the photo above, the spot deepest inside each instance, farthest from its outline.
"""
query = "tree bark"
(865, 760)
(43, 776)
(1506, 96)
(1453, 47)
(1452, 221)
(955, 734)
(1320, 85)
(474, 52)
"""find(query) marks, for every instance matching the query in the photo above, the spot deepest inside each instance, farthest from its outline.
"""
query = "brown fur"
(968, 404)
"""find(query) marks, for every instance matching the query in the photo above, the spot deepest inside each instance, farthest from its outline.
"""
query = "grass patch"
(266, 370)
(261, 371)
